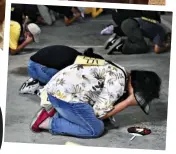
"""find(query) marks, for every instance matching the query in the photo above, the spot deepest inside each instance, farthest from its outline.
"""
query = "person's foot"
(40, 21)
(38, 91)
(29, 87)
(42, 119)
(69, 21)
(116, 46)
(108, 30)
(45, 124)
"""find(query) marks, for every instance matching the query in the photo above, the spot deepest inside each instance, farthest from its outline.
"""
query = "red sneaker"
(51, 112)
(41, 116)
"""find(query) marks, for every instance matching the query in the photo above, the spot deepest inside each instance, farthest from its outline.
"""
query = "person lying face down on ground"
(146, 25)
(83, 95)
(45, 63)
(20, 39)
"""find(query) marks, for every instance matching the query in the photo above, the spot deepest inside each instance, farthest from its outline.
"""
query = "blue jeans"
(75, 119)
(40, 72)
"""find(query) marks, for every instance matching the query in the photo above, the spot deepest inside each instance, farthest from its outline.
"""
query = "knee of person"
(98, 130)
(127, 25)
(30, 63)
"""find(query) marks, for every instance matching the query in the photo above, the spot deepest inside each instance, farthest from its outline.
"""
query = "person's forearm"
(19, 48)
(130, 101)
(118, 108)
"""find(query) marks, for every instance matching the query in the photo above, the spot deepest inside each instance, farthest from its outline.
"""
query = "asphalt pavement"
(21, 108)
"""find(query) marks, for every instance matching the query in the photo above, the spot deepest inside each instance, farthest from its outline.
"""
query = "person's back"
(17, 12)
(155, 15)
(95, 85)
(152, 28)
(56, 56)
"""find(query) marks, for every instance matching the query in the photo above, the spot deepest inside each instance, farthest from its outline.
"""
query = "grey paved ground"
(21, 109)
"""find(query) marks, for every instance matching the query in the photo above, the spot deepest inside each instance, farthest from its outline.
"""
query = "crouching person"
(44, 64)
(82, 96)
(136, 30)
(19, 39)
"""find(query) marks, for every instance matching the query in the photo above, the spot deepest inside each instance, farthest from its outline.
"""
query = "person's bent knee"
(13, 52)
(98, 134)
(31, 69)
(128, 25)
(30, 64)
(98, 130)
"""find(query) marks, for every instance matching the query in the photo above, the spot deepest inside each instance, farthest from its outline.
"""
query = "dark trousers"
(120, 16)
(135, 42)
(31, 11)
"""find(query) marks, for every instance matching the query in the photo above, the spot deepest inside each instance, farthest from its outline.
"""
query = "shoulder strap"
(126, 76)
(126, 82)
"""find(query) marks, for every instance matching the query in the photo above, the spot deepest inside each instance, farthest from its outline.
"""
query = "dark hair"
(146, 82)
(90, 53)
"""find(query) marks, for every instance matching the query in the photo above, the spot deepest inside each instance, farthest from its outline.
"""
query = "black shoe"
(117, 46)
(110, 41)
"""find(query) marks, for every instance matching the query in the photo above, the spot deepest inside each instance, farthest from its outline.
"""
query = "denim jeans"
(75, 119)
(40, 72)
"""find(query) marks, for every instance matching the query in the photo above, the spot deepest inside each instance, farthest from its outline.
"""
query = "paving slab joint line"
(73, 46)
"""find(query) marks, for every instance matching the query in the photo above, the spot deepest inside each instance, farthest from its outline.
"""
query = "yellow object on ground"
(93, 11)
(44, 99)
(15, 30)
(89, 61)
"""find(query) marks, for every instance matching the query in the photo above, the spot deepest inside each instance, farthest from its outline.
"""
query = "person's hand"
(29, 39)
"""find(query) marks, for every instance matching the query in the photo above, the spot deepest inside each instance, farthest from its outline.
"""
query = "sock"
(45, 124)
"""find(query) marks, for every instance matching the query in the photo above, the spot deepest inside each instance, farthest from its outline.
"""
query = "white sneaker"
(108, 30)
(29, 87)
(29, 80)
